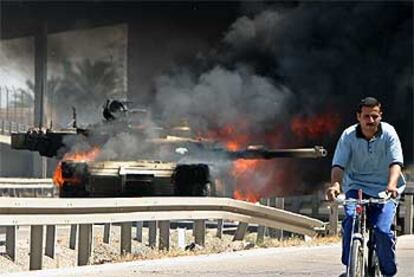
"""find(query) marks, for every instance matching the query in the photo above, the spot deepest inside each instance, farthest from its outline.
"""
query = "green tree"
(86, 85)
(88, 80)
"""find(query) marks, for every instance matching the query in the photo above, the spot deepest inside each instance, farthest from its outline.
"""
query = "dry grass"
(215, 245)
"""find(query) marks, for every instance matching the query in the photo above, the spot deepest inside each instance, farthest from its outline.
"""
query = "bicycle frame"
(362, 260)
(357, 260)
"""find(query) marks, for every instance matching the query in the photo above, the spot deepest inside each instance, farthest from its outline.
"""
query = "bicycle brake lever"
(384, 195)
(340, 197)
(387, 196)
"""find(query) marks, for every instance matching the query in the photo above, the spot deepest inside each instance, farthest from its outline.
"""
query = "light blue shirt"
(366, 162)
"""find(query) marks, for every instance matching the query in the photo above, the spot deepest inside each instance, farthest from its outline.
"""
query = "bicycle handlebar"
(384, 197)
(363, 201)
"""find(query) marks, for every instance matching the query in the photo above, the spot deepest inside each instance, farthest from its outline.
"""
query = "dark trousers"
(381, 216)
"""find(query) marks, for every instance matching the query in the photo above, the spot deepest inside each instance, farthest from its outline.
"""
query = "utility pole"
(40, 60)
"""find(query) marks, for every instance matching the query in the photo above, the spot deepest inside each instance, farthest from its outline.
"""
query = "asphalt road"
(291, 261)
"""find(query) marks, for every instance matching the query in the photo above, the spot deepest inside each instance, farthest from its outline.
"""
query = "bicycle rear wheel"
(356, 263)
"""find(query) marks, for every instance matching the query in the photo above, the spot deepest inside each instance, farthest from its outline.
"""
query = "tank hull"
(133, 179)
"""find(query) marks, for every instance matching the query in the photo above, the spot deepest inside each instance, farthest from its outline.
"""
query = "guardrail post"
(200, 231)
(260, 234)
(50, 241)
(241, 231)
(84, 243)
(408, 215)
(73, 236)
(11, 237)
(315, 205)
(333, 219)
(220, 224)
(271, 202)
(164, 240)
(280, 204)
(261, 229)
(126, 237)
(36, 247)
(107, 232)
(152, 233)
(181, 238)
(138, 230)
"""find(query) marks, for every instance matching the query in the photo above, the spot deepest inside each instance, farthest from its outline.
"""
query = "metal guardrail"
(27, 187)
(37, 212)
(8, 127)
(30, 211)
(5, 139)
(25, 181)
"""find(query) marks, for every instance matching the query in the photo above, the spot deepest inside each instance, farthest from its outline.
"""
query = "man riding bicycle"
(368, 156)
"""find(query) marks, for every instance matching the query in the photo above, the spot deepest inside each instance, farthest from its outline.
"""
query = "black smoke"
(300, 61)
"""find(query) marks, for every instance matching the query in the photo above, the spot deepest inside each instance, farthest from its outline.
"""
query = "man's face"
(369, 118)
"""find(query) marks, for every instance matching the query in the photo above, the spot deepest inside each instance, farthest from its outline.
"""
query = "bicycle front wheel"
(373, 263)
(356, 263)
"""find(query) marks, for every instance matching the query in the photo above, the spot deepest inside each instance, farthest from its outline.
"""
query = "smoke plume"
(296, 63)
(221, 96)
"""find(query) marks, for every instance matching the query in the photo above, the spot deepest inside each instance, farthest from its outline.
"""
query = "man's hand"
(394, 174)
(333, 191)
(392, 190)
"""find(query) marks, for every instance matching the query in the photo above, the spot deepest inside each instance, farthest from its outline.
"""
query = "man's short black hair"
(368, 102)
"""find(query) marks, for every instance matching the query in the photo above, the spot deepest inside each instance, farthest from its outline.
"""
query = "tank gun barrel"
(263, 153)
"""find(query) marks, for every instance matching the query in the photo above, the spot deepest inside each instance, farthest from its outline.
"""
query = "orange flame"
(57, 175)
(255, 179)
(86, 156)
(245, 172)
(315, 127)
(246, 196)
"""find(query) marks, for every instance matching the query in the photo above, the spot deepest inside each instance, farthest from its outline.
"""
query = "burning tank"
(183, 169)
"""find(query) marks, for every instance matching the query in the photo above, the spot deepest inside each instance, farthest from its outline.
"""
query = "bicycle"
(363, 260)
